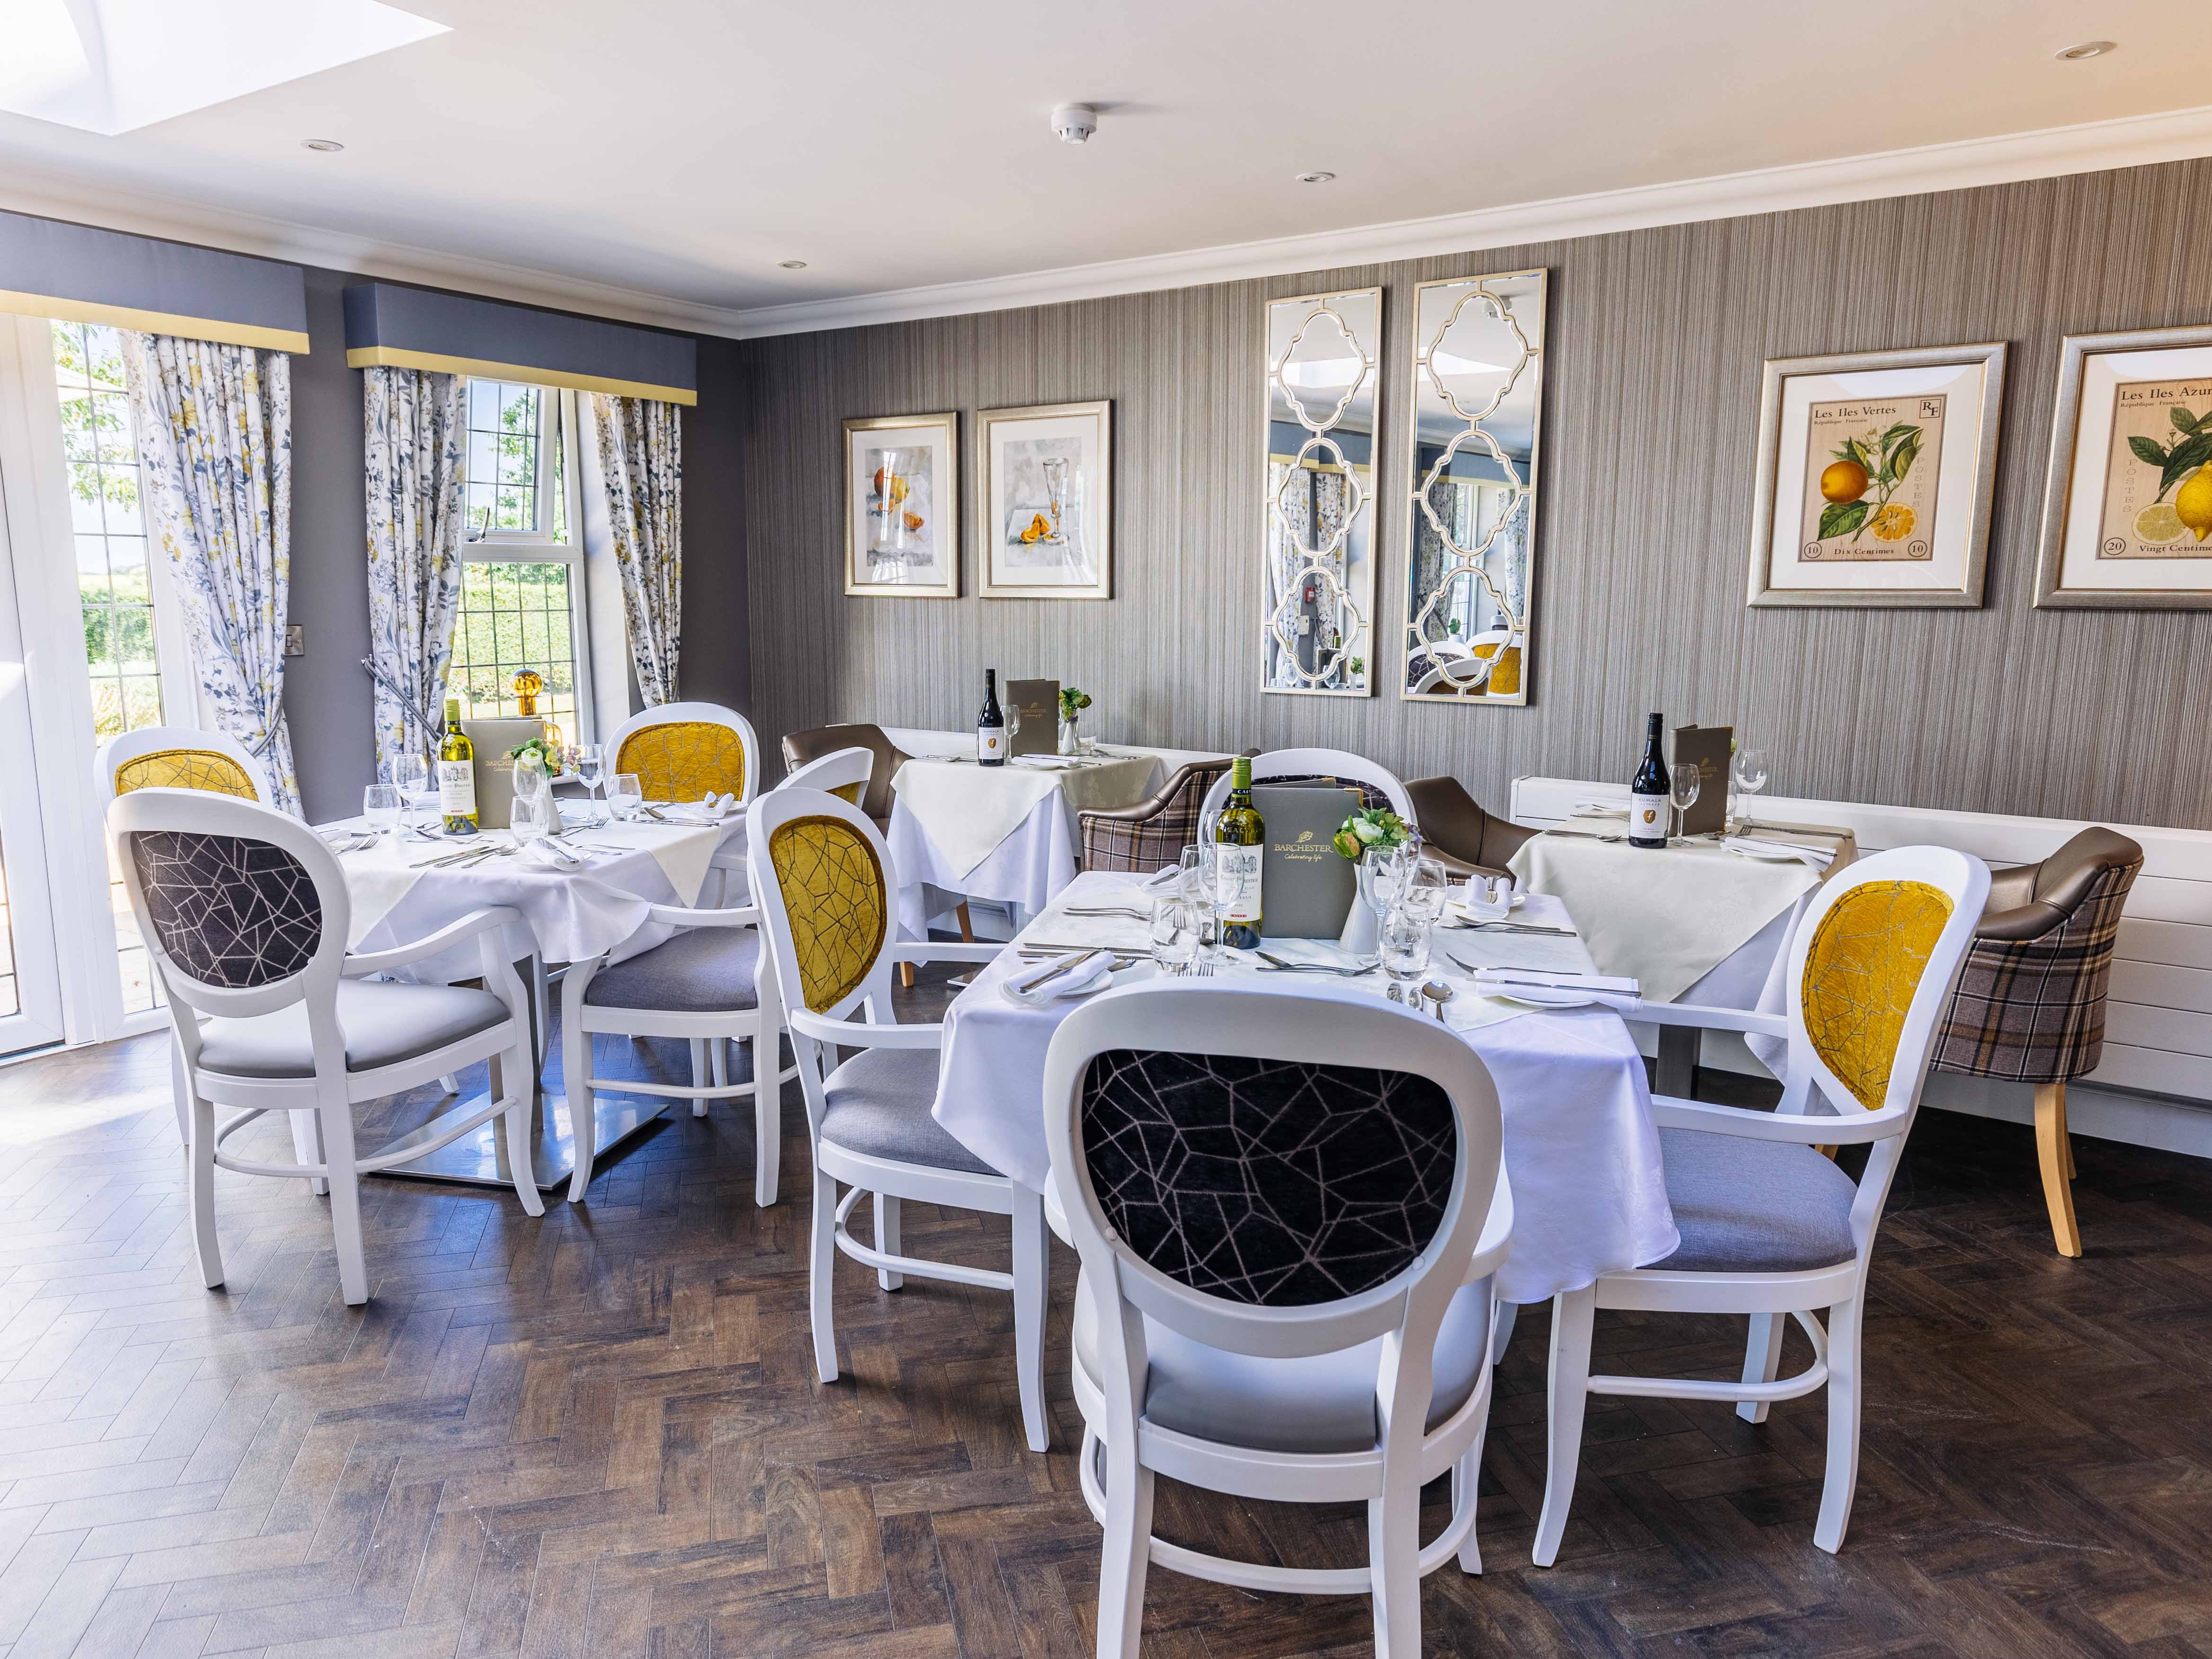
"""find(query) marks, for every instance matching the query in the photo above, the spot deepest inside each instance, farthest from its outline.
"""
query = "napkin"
(713, 809)
(1815, 858)
(1611, 990)
(549, 855)
(1034, 988)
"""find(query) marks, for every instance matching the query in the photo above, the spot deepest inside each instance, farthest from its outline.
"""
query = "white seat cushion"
(384, 1025)
(877, 1104)
(1761, 1207)
(1323, 1403)
(707, 971)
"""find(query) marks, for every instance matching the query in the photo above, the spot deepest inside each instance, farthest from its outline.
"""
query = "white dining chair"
(179, 757)
(1770, 1227)
(245, 914)
(704, 986)
(1291, 1214)
(826, 886)
(1339, 764)
(843, 772)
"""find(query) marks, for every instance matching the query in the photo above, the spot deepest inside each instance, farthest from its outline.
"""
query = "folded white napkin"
(1033, 987)
(1611, 990)
(1758, 847)
(1600, 809)
(712, 809)
(551, 855)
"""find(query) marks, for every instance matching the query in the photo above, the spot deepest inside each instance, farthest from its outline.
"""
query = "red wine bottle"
(991, 725)
(1647, 807)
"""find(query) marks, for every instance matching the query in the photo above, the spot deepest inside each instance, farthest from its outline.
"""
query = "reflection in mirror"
(1323, 365)
(1477, 386)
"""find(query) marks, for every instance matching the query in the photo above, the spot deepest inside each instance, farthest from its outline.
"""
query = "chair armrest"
(945, 950)
(430, 945)
(676, 916)
(862, 1034)
(1849, 1130)
(1706, 1017)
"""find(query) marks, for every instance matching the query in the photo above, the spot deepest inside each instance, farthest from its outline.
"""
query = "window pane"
(504, 418)
(514, 616)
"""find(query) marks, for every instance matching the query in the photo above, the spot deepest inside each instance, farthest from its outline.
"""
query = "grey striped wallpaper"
(1655, 340)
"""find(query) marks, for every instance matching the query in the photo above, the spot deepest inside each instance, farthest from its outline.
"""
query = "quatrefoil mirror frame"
(1470, 496)
(1324, 542)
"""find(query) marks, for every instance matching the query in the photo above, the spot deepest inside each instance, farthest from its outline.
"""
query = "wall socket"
(295, 639)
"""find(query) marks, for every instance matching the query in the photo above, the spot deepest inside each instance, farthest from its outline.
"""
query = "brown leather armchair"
(1458, 833)
(2030, 1007)
(800, 747)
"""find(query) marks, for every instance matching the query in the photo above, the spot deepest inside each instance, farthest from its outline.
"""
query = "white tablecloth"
(1590, 1195)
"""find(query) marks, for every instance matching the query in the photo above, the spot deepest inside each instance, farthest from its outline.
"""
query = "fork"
(1107, 911)
(1282, 967)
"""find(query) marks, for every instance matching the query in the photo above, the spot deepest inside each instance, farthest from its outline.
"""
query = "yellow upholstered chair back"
(831, 887)
(682, 751)
(180, 758)
(1868, 954)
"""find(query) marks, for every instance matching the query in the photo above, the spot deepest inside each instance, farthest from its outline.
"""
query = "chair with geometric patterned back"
(245, 914)
(1291, 1209)
(1768, 1227)
(826, 888)
(2030, 1007)
(179, 757)
(681, 751)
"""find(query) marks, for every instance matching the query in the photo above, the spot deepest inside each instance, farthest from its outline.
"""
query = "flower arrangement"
(1371, 826)
(1073, 701)
(547, 751)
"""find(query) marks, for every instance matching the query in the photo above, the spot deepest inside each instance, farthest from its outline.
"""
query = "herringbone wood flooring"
(599, 1433)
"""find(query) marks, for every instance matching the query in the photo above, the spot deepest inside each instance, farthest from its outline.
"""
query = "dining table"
(590, 894)
(1581, 1149)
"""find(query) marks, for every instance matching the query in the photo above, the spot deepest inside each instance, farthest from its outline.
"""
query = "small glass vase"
(1067, 743)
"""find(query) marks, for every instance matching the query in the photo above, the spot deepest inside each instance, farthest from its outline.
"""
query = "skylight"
(112, 66)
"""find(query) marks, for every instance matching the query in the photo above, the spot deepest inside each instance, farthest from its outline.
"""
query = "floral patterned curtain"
(641, 471)
(415, 435)
(215, 438)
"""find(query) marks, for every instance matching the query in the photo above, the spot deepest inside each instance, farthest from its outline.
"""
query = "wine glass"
(1405, 949)
(380, 805)
(625, 794)
(1427, 890)
(1195, 881)
(410, 774)
(1684, 783)
(1748, 769)
(591, 766)
(1175, 933)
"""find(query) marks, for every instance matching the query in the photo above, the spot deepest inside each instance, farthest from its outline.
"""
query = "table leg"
(1677, 1072)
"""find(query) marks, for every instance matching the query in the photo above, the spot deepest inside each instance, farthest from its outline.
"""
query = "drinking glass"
(1175, 933)
(1405, 948)
(380, 805)
(1683, 784)
(1195, 881)
(625, 794)
(410, 774)
(1748, 769)
(1426, 890)
(591, 765)
(1390, 867)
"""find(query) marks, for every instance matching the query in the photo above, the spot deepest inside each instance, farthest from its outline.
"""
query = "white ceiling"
(682, 147)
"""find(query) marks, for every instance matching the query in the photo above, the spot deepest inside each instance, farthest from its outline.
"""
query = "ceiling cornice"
(2092, 147)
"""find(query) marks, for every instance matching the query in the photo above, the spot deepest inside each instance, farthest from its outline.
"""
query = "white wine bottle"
(1241, 834)
(457, 775)
(1647, 807)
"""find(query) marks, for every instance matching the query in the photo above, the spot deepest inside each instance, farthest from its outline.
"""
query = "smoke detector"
(1073, 124)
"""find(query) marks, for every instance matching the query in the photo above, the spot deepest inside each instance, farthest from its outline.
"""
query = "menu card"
(1710, 747)
(495, 766)
(1038, 701)
(1306, 886)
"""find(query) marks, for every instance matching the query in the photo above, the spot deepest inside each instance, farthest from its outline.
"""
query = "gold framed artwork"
(1047, 521)
(902, 506)
(2127, 507)
(1875, 474)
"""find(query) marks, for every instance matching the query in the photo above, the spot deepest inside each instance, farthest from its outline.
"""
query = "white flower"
(1367, 829)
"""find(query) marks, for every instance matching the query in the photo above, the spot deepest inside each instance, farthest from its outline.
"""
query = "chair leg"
(199, 1175)
(967, 923)
(698, 1074)
(887, 1238)
(307, 1147)
(1032, 1269)
(1573, 1313)
(345, 1200)
(905, 975)
(1762, 1360)
(181, 1094)
(1393, 1569)
(822, 1263)
(583, 1099)
(541, 1007)
(767, 1118)
(1127, 1553)
(2054, 1152)
(515, 1123)
(1841, 1482)
(1466, 1490)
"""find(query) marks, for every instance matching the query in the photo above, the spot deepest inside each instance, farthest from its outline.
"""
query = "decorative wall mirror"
(1478, 399)
(1323, 355)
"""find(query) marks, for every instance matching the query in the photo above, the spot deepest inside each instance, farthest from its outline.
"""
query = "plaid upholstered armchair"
(2030, 1007)
(1154, 831)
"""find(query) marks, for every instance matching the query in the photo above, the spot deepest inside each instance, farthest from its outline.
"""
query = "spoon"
(1439, 992)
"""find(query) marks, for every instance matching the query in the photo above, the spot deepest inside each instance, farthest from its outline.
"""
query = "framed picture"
(902, 506)
(1875, 473)
(2127, 509)
(1048, 477)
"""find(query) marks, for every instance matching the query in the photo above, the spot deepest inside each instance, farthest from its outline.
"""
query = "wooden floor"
(600, 1432)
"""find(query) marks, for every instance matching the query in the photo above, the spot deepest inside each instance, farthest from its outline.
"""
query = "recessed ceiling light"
(2088, 49)
(328, 146)
(790, 264)
(1315, 178)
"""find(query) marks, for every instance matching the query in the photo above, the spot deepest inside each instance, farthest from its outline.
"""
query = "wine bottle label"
(1245, 909)
(456, 788)
(990, 743)
(1647, 817)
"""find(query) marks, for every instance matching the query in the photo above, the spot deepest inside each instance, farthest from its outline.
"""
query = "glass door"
(30, 971)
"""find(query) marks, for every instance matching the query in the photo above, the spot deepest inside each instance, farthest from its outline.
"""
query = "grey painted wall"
(1656, 337)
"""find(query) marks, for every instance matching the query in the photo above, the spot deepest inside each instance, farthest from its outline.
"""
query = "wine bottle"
(1648, 806)
(991, 725)
(1242, 834)
(457, 775)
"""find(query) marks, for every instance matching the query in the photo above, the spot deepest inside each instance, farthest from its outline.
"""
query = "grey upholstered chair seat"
(1322, 1403)
(878, 1102)
(384, 1025)
(707, 971)
(1765, 1207)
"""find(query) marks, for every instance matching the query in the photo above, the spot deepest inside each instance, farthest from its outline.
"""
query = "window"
(115, 582)
(522, 576)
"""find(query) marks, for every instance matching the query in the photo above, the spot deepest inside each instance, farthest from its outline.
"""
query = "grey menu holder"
(1306, 886)
(495, 768)
(1711, 748)
(1038, 701)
